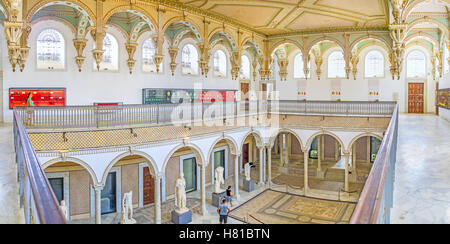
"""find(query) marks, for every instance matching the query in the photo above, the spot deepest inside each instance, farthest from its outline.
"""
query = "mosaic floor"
(272, 207)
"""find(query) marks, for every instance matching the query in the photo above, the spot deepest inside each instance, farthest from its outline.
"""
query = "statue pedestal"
(183, 218)
(216, 197)
(249, 186)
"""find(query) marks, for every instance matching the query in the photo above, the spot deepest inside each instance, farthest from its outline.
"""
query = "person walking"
(223, 212)
(229, 196)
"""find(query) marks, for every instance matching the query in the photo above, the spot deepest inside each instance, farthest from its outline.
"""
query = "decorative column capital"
(131, 49)
(80, 45)
(173, 52)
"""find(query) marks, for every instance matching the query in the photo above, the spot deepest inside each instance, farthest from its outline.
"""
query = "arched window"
(189, 60)
(374, 64)
(299, 69)
(336, 65)
(110, 60)
(220, 64)
(148, 52)
(446, 60)
(50, 50)
(245, 68)
(416, 64)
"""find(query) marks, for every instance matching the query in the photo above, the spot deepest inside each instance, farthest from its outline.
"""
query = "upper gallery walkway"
(148, 131)
(422, 186)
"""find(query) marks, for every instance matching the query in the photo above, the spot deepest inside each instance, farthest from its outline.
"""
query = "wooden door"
(415, 98)
(149, 187)
(245, 88)
(245, 155)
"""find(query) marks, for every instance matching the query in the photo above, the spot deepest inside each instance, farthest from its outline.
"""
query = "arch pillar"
(237, 158)
(204, 212)
(305, 176)
(158, 178)
(98, 209)
(346, 181)
(269, 165)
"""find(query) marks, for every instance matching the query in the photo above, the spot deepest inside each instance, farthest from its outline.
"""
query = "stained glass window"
(50, 50)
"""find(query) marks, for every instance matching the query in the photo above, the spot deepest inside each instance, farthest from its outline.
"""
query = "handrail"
(376, 197)
(161, 114)
(40, 203)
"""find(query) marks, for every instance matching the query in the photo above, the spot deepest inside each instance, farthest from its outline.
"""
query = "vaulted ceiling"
(288, 16)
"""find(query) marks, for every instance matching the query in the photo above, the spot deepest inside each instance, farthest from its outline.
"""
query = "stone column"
(368, 149)
(287, 148)
(269, 166)
(305, 176)
(236, 176)
(346, 183)
(98, 207)
(319, 153)
(261, 165)
(203, 188)
(158, 199)
(281, 151)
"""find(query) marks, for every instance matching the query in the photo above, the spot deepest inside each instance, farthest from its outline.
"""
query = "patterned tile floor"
(272, 207)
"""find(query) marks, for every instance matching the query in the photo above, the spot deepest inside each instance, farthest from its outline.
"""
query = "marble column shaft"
(98, 207)
(158, 200)
(306, 186)
(203, 189)
(261, 165)
(236, 176)
(346, 183)
(269, 165)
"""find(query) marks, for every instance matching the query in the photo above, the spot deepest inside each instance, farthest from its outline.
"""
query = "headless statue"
(247, 169)
(127, 209)
(64, 208)
(218, 179)
(180, 194)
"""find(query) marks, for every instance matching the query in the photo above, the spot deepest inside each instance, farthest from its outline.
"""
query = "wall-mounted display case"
(152, 96)
(41, 97)
(443, 98)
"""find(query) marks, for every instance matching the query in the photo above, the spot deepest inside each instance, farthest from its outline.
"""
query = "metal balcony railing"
(166, 114)
(36, 195)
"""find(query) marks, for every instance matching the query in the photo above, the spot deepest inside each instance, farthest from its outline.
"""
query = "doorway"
(245, 155)
(416, 98)
(148, 187)
(245, 89)
(189, 167)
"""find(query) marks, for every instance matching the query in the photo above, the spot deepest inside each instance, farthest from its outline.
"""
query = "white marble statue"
(64, 208)
(247, 171)
(127, 209)
(180, 195)
(218, 173)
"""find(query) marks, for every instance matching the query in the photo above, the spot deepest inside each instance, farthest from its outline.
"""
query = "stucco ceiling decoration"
(289, 16)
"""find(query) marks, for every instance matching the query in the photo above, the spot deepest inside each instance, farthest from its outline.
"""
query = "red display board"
(41, 97)
(216, 96)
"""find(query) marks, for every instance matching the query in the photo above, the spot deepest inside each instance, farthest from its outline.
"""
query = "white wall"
(356, 90)
(91, 86)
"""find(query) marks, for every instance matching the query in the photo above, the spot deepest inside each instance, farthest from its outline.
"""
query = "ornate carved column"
(433, 66)
(354, 61)
(319, 60)
(440, 64)
(398, 34)
(254, 66)
(283, 64)
(235, 60)
(13, 32)
(159, 39)
(80, 45)
(173, 52)
(98, 33)
(131, 49)
(203, 62)
(347, 56)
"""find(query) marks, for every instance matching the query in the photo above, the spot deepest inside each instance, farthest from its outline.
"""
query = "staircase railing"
(376, 199)
(36, 195)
